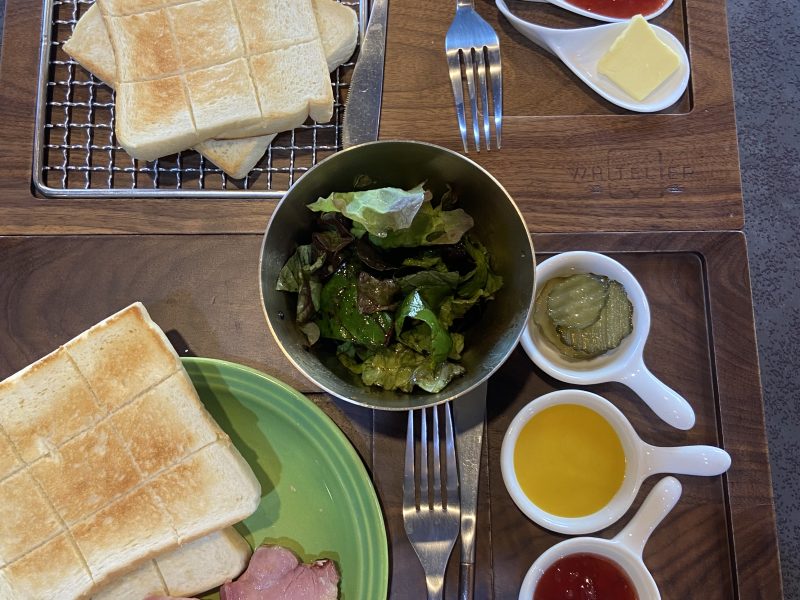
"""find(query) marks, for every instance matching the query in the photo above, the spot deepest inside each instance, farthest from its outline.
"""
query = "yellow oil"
(569, 460)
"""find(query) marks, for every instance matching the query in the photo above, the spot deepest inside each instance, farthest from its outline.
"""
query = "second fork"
(472, 40)
(432, 525)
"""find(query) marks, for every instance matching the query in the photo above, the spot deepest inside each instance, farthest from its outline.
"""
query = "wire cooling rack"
(76, 152)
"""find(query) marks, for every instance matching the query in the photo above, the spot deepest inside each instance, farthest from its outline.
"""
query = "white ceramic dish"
(641, 461)
(625, 549)
(624, 363)
(597, 16)
(581, 49)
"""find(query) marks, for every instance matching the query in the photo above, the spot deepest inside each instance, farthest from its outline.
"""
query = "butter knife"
(362, 115)
(469, 413)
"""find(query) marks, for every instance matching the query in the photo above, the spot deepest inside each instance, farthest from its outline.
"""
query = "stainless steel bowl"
(498, 225)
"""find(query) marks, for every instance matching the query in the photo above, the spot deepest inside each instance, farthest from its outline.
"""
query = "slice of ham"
(275, 573)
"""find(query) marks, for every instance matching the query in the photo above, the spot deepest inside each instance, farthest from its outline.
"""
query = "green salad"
(390, 282)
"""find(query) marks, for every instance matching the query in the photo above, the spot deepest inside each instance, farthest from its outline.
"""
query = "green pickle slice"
(583, 315)
(576, 301)
(613, 325)
(545, 324)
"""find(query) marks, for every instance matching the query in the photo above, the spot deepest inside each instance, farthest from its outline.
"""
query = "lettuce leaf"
(400, 368)
(482, 281)
(378, 211)
(296, 276)
(432, 337)
(340, 319)
(431, 226)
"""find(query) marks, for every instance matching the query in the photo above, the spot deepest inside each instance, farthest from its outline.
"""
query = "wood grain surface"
(718, 543)
(572, 162)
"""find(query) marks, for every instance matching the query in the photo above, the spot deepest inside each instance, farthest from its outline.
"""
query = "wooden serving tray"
(572, 161)
(718, 543)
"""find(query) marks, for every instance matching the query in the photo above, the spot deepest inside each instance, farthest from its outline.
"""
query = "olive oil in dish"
(569, 461)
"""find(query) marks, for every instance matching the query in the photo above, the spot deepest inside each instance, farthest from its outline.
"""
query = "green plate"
(317, 498)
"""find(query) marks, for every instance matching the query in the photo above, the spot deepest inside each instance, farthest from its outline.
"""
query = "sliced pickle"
(614, 324)
(545, 325)
(575, 302)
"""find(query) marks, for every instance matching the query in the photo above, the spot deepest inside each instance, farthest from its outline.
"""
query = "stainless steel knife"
(469, 413)
(362, 114)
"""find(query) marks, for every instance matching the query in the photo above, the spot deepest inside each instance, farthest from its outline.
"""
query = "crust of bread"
(236, 157)
(91, 46)
(205, 563)
(186, 571)
(287, 95)
(123, 355)
(142, 582)
(338, 29)
(212, 489)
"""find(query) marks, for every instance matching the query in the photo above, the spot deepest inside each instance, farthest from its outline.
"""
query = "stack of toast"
(221, 76)
(115, 482)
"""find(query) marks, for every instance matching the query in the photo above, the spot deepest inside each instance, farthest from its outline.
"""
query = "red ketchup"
(621, 9)
(584, 577)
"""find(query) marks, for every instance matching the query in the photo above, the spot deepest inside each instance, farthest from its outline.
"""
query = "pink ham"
(275, 573)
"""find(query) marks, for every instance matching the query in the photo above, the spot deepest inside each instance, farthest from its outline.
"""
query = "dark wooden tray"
(718, 543)
(572, 161)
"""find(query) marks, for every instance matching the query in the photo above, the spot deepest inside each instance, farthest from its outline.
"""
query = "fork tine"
(424, 500)
(496, 75)
(452, 470)
(437, 457)
(454, 63)
(469, 68)
(484, 94)
(409, 486)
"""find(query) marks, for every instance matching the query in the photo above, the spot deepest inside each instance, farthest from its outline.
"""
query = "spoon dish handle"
(661, 499)
(688, 460)
(665, 402)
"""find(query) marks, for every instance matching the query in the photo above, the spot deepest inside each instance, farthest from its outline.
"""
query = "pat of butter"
(638, 61)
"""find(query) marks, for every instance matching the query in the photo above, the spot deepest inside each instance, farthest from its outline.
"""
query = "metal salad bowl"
(404, 164)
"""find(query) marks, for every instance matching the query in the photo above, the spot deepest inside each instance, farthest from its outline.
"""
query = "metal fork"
(470, 37)
(433, 525)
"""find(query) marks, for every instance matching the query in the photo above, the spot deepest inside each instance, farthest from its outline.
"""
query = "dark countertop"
(766, 76)
(766, 72)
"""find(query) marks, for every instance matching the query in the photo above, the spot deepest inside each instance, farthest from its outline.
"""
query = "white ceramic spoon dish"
(625, 549)
(625, 363)
(581, 49)
(641, 461)
(598, 16)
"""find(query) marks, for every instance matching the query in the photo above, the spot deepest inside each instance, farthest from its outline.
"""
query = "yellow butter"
(638, 62)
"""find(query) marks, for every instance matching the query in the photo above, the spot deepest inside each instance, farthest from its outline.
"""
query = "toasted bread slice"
(179, 49)
(140, 469)
(190, 570)
(338, 28)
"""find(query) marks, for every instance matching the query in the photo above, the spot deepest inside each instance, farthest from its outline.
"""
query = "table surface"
(718, 543)
(760, 243)
(645, 172)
